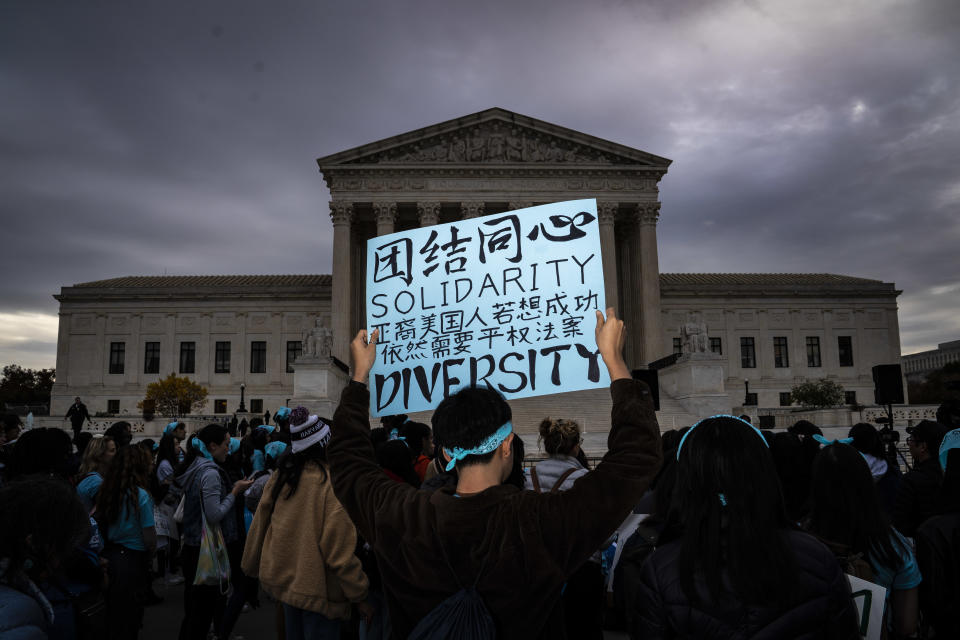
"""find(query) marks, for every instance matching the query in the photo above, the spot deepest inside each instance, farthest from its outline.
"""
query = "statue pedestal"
(317, 384)
(696, 381)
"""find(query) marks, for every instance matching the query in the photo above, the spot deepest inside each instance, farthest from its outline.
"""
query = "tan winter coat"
(302, 548)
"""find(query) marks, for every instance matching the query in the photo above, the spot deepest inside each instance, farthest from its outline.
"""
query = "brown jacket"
(523, 544)
(302, 548)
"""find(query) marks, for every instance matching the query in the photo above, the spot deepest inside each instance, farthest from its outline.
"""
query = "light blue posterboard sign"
(507, 300)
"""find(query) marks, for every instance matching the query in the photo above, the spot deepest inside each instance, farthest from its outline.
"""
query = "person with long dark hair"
(124, 508)
(208, 493)
(301, 543)
(886, 473)
(49, 523)
(846, 514)
(730, 564)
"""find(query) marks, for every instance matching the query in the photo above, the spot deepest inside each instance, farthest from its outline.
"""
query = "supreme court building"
(771, 330)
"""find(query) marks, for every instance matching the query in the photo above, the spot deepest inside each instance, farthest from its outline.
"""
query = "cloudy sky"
(180, 138)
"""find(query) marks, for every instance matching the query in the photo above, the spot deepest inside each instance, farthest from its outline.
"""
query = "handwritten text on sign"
(507, 300)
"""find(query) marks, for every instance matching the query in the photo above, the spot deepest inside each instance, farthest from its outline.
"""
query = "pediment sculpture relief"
(493, 143)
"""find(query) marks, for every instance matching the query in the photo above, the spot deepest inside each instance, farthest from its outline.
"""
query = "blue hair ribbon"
(170, 428)
(723, 499)
(201, 448)
(719, 415)
(950, 441)
(489, 444)
(395, 435)
(827, 443)
(156, 445)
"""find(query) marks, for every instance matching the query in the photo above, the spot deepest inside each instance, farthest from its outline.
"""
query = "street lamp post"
(242, 408)
(746, 392)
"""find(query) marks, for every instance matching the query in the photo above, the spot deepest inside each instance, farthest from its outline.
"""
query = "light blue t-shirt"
(88, 489)
(905, 576)
(127, 530)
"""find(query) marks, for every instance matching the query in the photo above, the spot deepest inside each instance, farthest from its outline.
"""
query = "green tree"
(25, 386)
(940, 386)
(174, 396)
(818, 394)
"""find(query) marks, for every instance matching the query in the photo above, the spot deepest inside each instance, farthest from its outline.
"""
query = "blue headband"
(197, 444)
(395, 435)
(950, 441)
(269, 428)
(156, 445)
(234, 445)
(170, 428)
(488, 445)
(819, 438)
(282, 413)
(721, 415)
(275, 449)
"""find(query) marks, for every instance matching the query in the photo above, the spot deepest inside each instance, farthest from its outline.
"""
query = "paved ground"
(162, 621)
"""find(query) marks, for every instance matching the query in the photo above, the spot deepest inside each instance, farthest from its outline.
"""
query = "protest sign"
(507, 300)
(870, 599)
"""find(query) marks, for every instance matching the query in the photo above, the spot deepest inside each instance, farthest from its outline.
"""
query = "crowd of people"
(719, 530)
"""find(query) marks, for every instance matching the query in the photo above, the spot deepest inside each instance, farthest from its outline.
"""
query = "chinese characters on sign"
(507, 300)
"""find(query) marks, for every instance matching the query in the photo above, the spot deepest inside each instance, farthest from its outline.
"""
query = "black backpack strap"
(563, 476)
(536, 480)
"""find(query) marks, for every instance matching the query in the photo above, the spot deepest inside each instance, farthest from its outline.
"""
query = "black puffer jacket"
(823, 607)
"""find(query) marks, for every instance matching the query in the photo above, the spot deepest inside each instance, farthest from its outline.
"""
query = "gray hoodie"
(205, 480)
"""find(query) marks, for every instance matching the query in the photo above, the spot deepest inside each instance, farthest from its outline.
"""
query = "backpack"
(461, 616)
(854, 564)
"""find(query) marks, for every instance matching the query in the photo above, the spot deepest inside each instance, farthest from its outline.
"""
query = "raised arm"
(576, 522)
(358, 482)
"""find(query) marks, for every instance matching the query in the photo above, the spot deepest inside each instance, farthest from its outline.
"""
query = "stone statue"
(694, 334)
(318, 341)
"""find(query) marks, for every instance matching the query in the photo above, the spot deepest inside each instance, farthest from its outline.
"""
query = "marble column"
(472, 209)
(341, 213)
(607, 212)
(429, 213)
(386, 216)
(648, 213)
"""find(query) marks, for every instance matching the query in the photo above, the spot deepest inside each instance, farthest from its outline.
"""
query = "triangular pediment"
(495, 136)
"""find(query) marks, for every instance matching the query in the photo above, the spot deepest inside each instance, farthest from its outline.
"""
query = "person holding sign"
(729, 563)
(517, 548)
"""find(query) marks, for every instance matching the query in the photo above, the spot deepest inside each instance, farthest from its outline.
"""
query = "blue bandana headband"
(197, 444)
(269, 428)
(488, 445)
(282, 413)
(234, 446)
(720, 415)
(819, 438)
(170, 428)
(950, 441)
(275, 449)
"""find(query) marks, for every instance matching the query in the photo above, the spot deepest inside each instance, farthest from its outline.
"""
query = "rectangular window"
(748, 354)
(256, 406)
(750, 400)
(151, 358)
(785, 399)
(219, 406)
(677, 345)
(850, 397)
(845, 350)
(258, 356)
(188, 357)
(221, 362)
(813, 351)
(716, 346)
(781, 357)
(113, 406)
(117, 353)
(294, 349)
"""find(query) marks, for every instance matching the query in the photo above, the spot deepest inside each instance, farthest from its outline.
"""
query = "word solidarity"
(486, 301)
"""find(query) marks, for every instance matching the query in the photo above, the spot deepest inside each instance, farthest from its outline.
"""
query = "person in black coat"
(77, 413)
(918, 497)
(729, 563)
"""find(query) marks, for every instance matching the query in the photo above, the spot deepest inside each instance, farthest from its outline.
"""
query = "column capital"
(341, 212)
(385, 212)
(607, 211)
(471, 209)
(519, 204)
(429, 213)
(648, 213)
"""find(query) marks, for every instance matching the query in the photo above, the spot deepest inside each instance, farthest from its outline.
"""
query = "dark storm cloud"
(181, 139)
